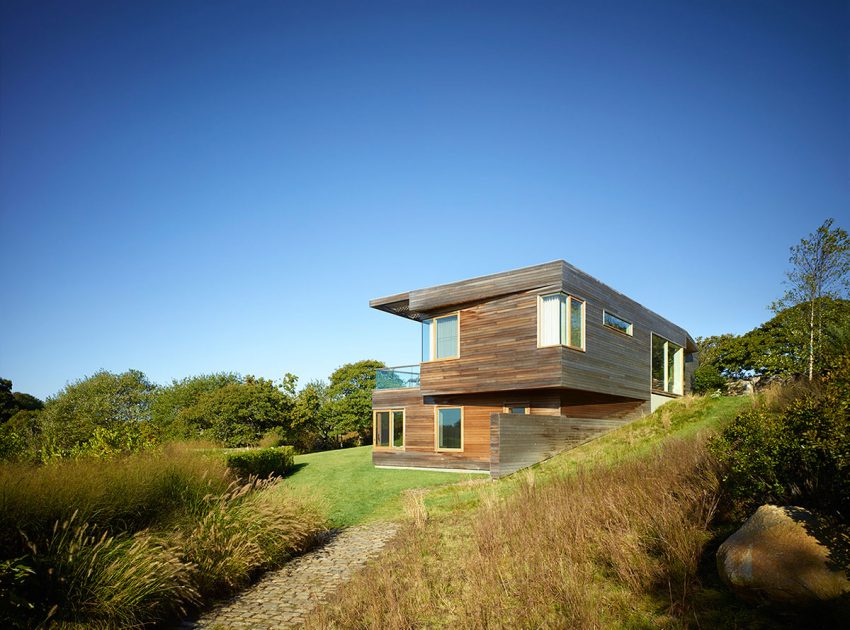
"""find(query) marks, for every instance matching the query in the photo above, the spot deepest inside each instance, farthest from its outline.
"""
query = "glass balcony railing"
(401, 377)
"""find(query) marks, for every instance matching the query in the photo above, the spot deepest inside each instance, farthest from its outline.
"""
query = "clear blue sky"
(188, 187)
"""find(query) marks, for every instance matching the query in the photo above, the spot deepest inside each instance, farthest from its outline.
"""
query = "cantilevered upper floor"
(541, 327)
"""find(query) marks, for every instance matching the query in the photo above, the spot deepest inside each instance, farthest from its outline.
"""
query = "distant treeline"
(109, 413)
(779, 347)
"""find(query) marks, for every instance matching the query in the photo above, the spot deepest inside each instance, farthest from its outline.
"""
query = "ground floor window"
(517, 407)
(388, 428)
(667, 368)
(449, 421)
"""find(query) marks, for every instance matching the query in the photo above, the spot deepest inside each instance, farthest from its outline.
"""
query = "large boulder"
(778, 556)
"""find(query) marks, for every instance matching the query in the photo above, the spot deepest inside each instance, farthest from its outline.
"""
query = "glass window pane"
(382, 426)
(517, 409)
(617, 323)
(576, 323)
(446, 337)
(449, 428)
(657, 362)
(550, 319)
(673, 368)
(398, 429)
(426, 340)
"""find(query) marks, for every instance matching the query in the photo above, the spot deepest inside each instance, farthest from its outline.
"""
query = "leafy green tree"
(240, 414)
(820, 269)
(27, 401)
(169, 401)
(707, 378)
(312, 421)
(8, 405)
(350, 394)
(102, 400)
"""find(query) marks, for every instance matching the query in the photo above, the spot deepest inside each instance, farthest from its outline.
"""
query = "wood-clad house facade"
(547, 340)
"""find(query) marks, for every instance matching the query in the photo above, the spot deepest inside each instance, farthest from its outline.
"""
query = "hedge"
(262, 462)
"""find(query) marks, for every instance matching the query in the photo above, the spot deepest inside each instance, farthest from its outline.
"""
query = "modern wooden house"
(517, 366)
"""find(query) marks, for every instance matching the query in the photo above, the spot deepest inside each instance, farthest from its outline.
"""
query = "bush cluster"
(261, 462)
(792, 448)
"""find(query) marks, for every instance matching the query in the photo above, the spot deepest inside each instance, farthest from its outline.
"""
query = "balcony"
(401, 377)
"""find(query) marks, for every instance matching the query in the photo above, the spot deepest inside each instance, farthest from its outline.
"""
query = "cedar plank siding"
(499, 363)
(498, 351)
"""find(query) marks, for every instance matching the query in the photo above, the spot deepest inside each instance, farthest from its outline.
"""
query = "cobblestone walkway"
(282, 598)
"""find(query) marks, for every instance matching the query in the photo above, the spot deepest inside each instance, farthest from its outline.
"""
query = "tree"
(312, 422)
(820, 269)
(8, 405)
(102, 400)
(169, 401)
(239, 414)
(350, 393)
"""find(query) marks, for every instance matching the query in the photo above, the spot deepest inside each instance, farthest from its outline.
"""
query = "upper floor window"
(560, 321)
(440, 338)
(667, 368)
(617, 323)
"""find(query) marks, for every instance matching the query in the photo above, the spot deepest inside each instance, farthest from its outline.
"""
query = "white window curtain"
(550, 319)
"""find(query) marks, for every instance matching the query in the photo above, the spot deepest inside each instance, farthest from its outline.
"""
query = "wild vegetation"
(107, 414)
(606, 535)
(139, 540)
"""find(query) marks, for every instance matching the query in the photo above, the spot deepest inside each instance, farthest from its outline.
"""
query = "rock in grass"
(779, 556)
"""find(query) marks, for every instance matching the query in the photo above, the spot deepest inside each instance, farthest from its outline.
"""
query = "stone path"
(283, 598)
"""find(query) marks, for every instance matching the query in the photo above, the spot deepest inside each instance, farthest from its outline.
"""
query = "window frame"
(680, 382)
(506, 407)
(392, 412)
(437, 448)
(564, 324)
(432, 337)
(630, 332)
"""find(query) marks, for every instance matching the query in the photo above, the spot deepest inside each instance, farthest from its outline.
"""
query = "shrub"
(272, 439)
(261, 462)
(793, 448)
(707, 378)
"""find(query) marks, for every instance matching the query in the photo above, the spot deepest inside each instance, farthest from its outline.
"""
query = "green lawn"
(354, 491)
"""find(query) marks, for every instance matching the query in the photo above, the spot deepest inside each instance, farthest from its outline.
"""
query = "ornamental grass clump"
(250, 527)
(81, 573)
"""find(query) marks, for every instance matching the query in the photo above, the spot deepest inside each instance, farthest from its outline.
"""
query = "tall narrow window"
(576, 339)
(382, 428)
(449, 428)
(667, 366)
(446, 331)
(389, 428)
(426, 340)
(398, 429)
(441, 338)
(551, 308)
(560, 321)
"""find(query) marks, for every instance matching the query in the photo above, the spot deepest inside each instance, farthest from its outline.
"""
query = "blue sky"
(188, 187)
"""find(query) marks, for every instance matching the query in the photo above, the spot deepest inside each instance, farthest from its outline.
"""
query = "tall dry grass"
(615, 546)
(124, 494)
(136, 540)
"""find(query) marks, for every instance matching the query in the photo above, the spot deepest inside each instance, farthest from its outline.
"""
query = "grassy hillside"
(353, 491)
(610, 534)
